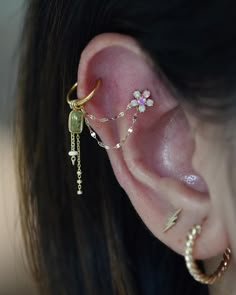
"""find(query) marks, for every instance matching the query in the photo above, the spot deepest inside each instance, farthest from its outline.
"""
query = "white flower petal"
(149, 102)
(142, 108)
(136, 94)
(134, 102)
(146, 93)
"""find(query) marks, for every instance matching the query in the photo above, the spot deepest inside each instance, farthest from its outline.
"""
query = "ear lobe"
(154, 165)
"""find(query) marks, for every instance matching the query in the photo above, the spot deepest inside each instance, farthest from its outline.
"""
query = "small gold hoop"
(192, 266)
(79, 102)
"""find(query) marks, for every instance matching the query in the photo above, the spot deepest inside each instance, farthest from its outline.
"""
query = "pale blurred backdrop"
(14, 278)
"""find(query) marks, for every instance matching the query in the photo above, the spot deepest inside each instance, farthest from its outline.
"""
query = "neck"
(225, 285)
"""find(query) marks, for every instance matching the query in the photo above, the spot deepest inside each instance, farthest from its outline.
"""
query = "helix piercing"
(78, 115)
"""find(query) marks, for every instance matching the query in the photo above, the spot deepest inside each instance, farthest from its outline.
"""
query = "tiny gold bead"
(189, 265)
(189, 243)
(73, 153)
(188, 258)
(199, 229)
(194, 231)
(188, 251)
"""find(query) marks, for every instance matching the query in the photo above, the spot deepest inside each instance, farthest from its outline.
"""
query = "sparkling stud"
(142, 100)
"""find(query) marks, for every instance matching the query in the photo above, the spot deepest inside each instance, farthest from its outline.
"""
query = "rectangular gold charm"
(76, 122)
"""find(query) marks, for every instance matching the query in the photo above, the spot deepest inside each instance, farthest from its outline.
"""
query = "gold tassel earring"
(75, 125)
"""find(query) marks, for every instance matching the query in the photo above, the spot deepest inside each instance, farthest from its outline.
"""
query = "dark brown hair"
(97, 244)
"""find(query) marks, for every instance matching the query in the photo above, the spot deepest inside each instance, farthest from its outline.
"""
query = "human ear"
(154, 164)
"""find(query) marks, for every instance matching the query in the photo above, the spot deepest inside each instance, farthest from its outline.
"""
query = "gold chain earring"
(75, 125)
(193, 234)
(140, 100)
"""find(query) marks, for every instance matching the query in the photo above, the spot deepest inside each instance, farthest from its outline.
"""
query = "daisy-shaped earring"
(142, 100)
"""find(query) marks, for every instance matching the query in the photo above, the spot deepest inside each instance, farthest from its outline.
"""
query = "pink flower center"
(141, 101)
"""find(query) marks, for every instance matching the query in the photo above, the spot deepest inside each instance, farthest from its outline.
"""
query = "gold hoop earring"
(193, 234)
(79, 102)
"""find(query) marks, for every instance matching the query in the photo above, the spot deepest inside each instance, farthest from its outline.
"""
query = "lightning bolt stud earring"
(172, 220)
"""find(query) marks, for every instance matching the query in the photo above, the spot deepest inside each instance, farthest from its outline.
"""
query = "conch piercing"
(78, 115)
(172, 220)
(193, 234)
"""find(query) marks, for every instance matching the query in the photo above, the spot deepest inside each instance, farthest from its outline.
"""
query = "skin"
(171, 160)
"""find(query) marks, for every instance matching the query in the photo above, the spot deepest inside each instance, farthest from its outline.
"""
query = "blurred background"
(14, 277)
(11, 14)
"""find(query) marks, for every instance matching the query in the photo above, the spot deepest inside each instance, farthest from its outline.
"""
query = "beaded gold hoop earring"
(78, 115)
(193, 234)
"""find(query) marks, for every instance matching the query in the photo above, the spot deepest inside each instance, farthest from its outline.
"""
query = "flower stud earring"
(78, 116)
(142, 100)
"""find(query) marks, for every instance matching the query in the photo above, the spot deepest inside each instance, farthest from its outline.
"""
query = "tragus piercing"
(78, 115)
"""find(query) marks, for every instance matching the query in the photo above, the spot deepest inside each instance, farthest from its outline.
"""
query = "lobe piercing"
(172, 220)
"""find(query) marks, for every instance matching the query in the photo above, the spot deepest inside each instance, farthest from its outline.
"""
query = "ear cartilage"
(172, 220)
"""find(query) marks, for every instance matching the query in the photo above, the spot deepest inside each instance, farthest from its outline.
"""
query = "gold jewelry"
(78, 103)
(193, 234)
(75, 125)
(172, 220)
(78, 115)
